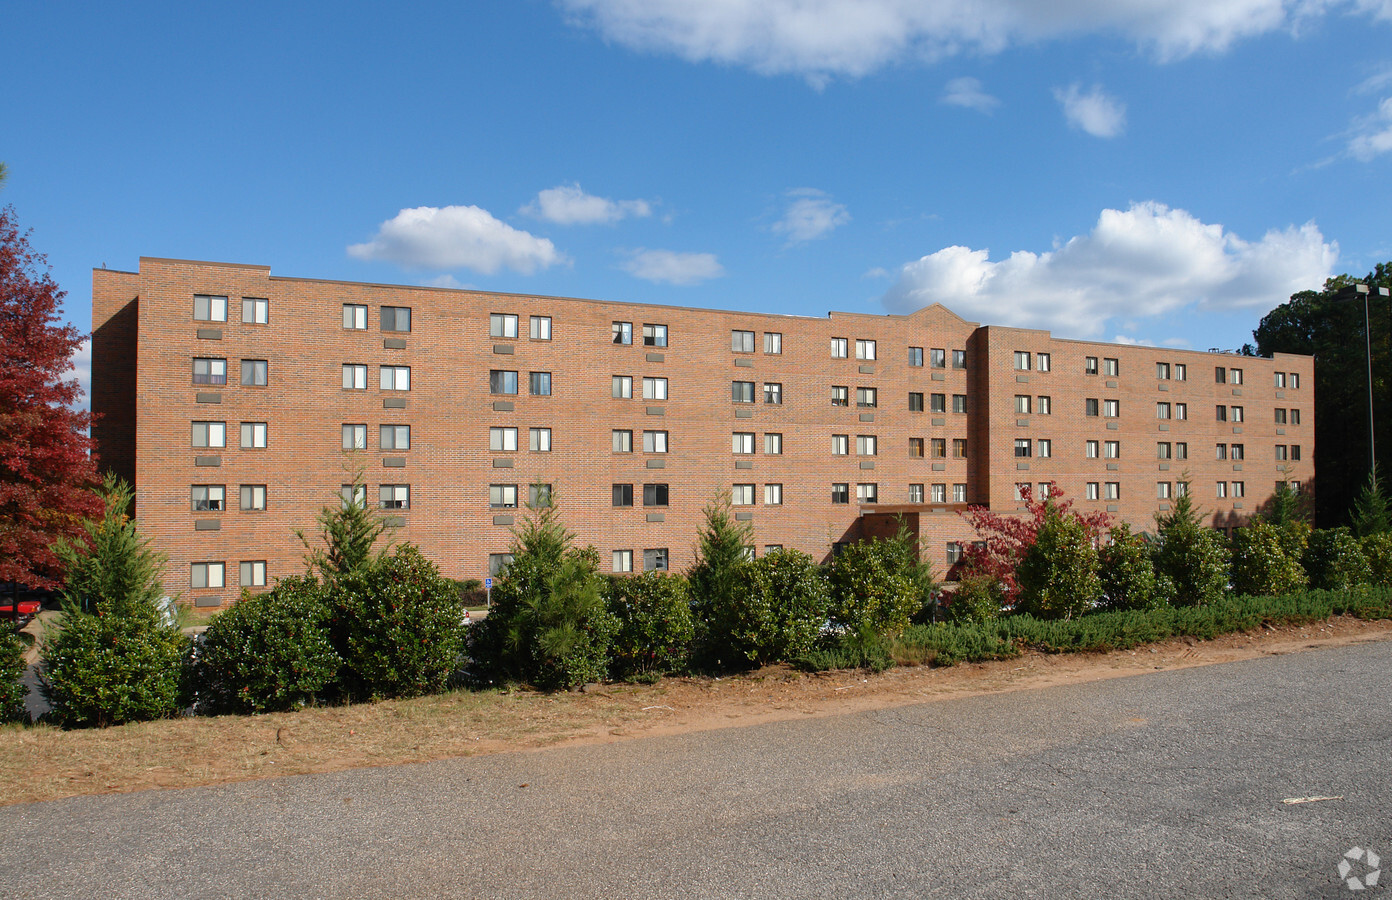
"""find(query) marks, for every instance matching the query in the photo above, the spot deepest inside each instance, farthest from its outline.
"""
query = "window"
(355, 437)
(1281, 451)
(1110, 367)
(502, 381)
(1022, 448)
(1162, 371)
(840, 395)
(502, 325)
(209, 371)
(254, 372)
(959, 493)
(1162, 490)
(208, 308)
(1280, 416)
(353, 495)
(1238, 451)
(656, 442)
(1090, 365)
(1022, 360)
(355, 316)
(354, 377)
(959, 448)
(654, 495)
(866, 445)
(623, 495)
(1234, 376)
(254, 497)
(915, 357)
(253, 435)
(840, 444)
(865, 349)
(1295, 417)
(742, 495)
(1090, 406)
(539, 328)
(742, 341)
(255, 311)
(655, 560)
(538, 495)
(742, 391)
(938, 448)
(1220, 451)
(1092, 490)
(207, 574)
(539, 383)
(954, 552)
(252, 573)
(621, 387)
(1235, 413)
(838, 348)
(1181, 372)
(398, 318)
(840, 492)
(623, 440)
(1111, 449)
(915, 493)
(773, 495)
(742, 442)
(915, 401)
(1113, 490)
(502, 438)
(1181, 450)
(959, 359)
(916, 447)
(1163, 450)
(539, 440)
(866, 396)
(1020, 491)
(654, 335)
(773, 343)
(1239, 489)
(939, 494)
(1295, 381)
(623, 561)
(208, 497)
(773, 444)
(1162, 410)
(1111, 408)
(502, 496)
(396, 378)
(498, 563)
(1295, 452)
(398, 496)
(622, 332)
(1044, 448)
(773, 392)
(1092, 448)
(1220, 375)
(1181, 410)
(1044, 405)
(959, 403)
(211, 434)
(1023, 404)
(868, 493)
(1222, 489)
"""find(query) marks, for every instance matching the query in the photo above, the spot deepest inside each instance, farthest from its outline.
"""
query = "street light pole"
(1349, 292)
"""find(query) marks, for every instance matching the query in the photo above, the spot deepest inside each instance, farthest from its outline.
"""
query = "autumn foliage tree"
(46, 472)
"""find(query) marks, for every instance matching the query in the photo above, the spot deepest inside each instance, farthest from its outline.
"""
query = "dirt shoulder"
(44, 763)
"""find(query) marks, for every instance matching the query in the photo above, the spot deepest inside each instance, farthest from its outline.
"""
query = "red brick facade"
(156, 372)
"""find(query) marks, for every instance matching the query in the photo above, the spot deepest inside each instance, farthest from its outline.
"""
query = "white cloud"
(567, 204)
(809, 216)
(449, 281)
(821, 39)
(1132, 342)
(1372, 135)
(1142, 262)
(1094, 112)
(81, 362)
(968, 92)
(672, 267)
(876, 272)
(452, 237)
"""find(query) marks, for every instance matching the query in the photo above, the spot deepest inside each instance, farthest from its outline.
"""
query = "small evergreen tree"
(1284, 508)
(1058, 575)
(876, 584)
(349, 530)
(1191, 561)
(979, 598)
(1377, 549)
(654, 625)
(775, 611)
(1262, 563)
(1335, 561)
(1370, 512)
(12, 668)
(1128, 575)
(720, 558)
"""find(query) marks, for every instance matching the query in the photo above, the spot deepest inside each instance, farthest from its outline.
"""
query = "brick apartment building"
(239, 404)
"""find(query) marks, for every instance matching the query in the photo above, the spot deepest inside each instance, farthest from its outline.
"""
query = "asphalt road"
(1165, 785)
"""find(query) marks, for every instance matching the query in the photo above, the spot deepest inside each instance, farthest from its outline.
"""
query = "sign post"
(488, 588)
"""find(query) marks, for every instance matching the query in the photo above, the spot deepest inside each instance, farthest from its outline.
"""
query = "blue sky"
(1162, 171)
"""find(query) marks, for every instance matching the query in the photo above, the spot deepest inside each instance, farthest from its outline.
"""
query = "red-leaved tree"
(46, 472)
(1005, 538)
